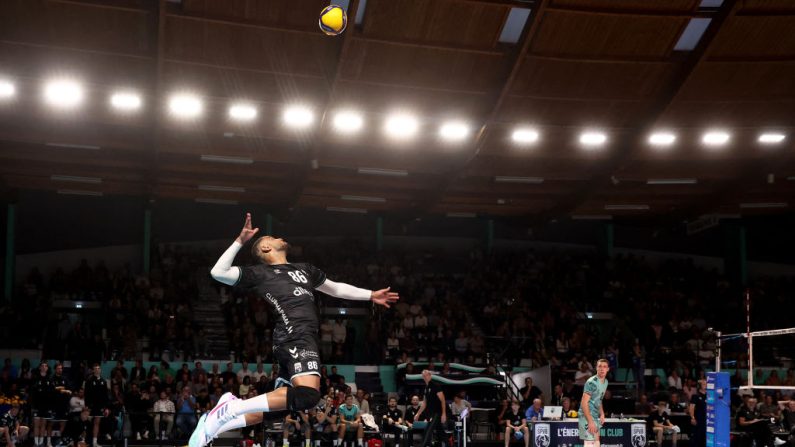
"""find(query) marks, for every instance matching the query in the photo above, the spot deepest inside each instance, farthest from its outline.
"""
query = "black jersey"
(96, 393)
(41, 390)
(76, 427)
(289, 290)
(395, 414)
(514, 418)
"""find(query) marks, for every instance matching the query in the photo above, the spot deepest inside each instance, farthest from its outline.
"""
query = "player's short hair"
(255, 249)
(603, 361)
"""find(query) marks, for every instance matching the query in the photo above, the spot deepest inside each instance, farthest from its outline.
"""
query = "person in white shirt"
(244, 371)
(164, 412)
(326, 337)
(339, 332)
(258, 373)
(674, 381)
(78, 401)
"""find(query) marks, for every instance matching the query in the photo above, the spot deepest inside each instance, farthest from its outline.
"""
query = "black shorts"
(40, 411)
(60, 414)
(96, 411)
(297, 357)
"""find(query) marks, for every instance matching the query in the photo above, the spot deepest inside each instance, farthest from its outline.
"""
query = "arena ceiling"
(620, 67)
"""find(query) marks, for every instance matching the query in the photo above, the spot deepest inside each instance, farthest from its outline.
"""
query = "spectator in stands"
(583, 374)
(462, 344)
(77, 402)
(676, 405)
(749, 420)
(768, 408)
(516, 424)
(137, 407)
(244, 387)
(567, 408)
(163, 411)
(535, 412)
(557, 396)
(186, 412)
(325, 418)
(773, 379)
(674, 381)
(350, 421)
(661, 425)
(339, 334)
(393, 420)
(260, 371)
(297, 422)
(198, 370)
(203, 401)
(529, 392)
(460, 403)
(361, 401)
(643, 406)
(658, 391)
(789, 417)
(138, 373)
(412, 409)
(446, 371)
(336, 379)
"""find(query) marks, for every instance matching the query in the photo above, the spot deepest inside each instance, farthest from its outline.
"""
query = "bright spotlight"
(771, 138)
(63, 93)
(715, 138)
(185, 105)
(401, 126)
(524, 135)
(454, 131)
(347, 121)
(298, 117)
(242, 112)
(7, 89)
(593, 139)
(662, 139)
(125, 101)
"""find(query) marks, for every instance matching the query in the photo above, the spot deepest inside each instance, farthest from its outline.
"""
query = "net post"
(750, 337)
(717, 351)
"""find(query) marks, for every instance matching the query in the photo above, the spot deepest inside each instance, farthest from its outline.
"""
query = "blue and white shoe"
(199, 438)
(218, 416)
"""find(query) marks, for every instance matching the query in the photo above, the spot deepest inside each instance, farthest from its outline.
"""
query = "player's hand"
(602, 420)
(444, 419)
(592, 428)
(384, 297)
(247, 232)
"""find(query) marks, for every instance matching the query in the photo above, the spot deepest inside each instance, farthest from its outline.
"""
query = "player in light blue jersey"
(592, 414)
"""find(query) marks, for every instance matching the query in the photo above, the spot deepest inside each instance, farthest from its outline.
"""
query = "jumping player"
(288, 288)
(592, 414)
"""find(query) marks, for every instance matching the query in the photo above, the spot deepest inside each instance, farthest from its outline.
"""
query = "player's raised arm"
(223, 271)
(382, 297)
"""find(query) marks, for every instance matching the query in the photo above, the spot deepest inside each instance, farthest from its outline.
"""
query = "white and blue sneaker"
(218, 416)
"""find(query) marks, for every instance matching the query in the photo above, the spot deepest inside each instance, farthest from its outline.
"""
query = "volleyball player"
(289, 289)
(41, 392)
(592, 414)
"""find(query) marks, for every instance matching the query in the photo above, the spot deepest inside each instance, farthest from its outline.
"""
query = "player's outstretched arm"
(223, 271)
(382, 297)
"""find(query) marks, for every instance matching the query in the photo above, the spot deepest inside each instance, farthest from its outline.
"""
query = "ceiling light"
(216, 201)
(63, 93)
(242, 112)
(227, 159)
(76, 179)
(462, 215)
(715, 138)
(626, 207)
(7, 89)
(74, 146)
(363, 198)
(591, 217)
(341, 209)
(524, 136)
(384, 172)
(185, 105)
(771, 138)
(401, 126)
(671, 181)
(347, 121)
(125, 101)
(79, 192)
(298, 117)
(764, 205)
(513, 179)
(662, 139)
(454, 131)
(221, 188)
(593, 139)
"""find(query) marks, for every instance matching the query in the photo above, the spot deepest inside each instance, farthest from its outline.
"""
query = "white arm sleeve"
(223, 271)
(344, 291)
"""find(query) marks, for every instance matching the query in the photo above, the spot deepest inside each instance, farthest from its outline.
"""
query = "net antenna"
(750, 351)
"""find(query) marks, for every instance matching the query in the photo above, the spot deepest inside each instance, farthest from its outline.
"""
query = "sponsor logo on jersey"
(280, 311)
(293, 352)
(305, 353)
(297, 367)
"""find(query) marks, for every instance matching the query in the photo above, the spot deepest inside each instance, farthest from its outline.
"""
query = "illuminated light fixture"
(513, 179)
(341, 209)
(242, 112)
(74, 146)
(763, 205)
(454, 131)
(363, 198)
(383, 172)
(671, 181)
(7, 89)
(216, 201)
(662, 139)
(348, 121)
(462, 215)
(592, 139)
(401, 126)
(221, 188)
(771, 138)
(524, 136)
(591, 217)
(76, 179)
(227, 159)
(185, 105)
(125, 101)
(63, 93)
(79, 192)
(715, 138)
(626, 207)
(298, 117)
